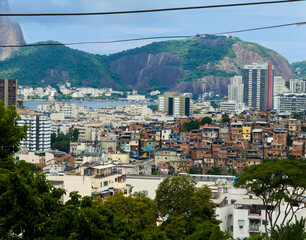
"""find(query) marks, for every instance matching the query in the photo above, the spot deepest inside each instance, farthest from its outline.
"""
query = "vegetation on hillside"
(49, 65)
(299, 69)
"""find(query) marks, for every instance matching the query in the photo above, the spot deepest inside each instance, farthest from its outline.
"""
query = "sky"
(288, 41)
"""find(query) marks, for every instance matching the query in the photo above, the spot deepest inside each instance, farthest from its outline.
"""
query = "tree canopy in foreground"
(274, 183)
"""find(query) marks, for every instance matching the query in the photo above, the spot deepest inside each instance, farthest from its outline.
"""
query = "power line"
(142, 11)
(148, 38)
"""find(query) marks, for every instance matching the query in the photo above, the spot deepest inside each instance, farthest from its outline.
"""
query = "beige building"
(100, 180)
(167, 156)
(119, 157)
(174, 104)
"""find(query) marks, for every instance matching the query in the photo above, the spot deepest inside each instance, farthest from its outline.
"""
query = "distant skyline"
(288, 41)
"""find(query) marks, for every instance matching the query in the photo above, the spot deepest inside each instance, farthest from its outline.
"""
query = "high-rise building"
(278, 85)
(258, 85)
(38, 134)
(297, 86)
(175, 104)
(235, 89)
(8, 91)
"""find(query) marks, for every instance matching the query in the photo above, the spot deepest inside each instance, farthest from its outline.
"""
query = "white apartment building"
(38, 134)
(290, 102)
(95, 180)
(235, 89)
(136, 97)
(232, 107)
(278, 85)
(248, 216)
(297, 86)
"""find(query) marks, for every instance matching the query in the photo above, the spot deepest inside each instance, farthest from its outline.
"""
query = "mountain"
(299, 69)
(195, 65)
(10, 32)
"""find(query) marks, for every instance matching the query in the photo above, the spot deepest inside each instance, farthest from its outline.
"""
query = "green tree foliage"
(61, 141)
(206, 120)
(214, 171)
(10, 132)
(183, 206)
(208, 231)
(138, 208)
(289, 140)
(293, 231)
(274, 182)
(296, 115)
(188, 126)
(153, 107)
(173, 195)
(225, 118)
(299, 68)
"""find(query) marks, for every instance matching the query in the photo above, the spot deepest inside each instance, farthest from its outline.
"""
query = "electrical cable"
(142, 11)
(149, 38)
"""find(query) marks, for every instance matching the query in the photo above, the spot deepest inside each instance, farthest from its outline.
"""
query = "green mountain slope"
(41, 66)
(299, 69)
(194, 65)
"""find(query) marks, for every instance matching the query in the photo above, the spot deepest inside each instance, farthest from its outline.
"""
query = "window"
(105, 183)
(240, 222)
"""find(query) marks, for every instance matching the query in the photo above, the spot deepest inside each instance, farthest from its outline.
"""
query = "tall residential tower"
(258, 85)
(235, 89)
(8, 91)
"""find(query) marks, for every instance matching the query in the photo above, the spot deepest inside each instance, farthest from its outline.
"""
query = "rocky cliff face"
(147, 71)
(10, 33)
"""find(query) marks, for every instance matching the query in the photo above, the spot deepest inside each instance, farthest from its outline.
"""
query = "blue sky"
(288, 41)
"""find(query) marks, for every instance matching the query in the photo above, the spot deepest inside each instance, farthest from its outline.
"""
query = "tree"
(294, 231)
(188, 126)
(10, 132)
(231, 171)
(208, 231)
(173, 195)
(201, 207)
(289, 140)
(75, 135)
(273, 183)
(214, 171)
(138, 208)
(225, 118)
(183, 207)
(206, 120)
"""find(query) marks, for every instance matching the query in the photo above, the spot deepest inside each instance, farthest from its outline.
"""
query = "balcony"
(254, 228)
(254, 214)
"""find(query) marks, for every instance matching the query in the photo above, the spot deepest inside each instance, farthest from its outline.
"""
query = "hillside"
(49, 65)
(299, 69)
(188, 65)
